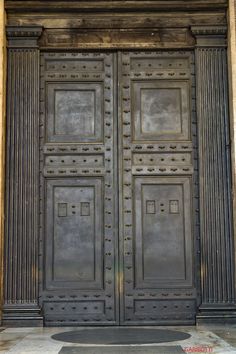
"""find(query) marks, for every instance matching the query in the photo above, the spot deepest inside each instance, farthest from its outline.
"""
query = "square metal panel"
(75, 112)
(160, 110)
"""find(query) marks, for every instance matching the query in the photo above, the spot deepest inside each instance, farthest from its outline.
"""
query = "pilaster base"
(22, 315)
(221, 314)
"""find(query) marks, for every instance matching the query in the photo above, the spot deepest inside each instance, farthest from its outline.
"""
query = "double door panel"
(117, 188)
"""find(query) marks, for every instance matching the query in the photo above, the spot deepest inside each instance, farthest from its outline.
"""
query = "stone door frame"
(210, 45)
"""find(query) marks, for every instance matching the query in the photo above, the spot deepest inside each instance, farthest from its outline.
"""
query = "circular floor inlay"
(121, 336)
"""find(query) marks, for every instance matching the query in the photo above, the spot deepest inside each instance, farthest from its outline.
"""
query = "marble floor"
(219, 339)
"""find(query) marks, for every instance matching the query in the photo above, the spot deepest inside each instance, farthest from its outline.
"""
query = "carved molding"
(210, 36)
(131, 20)
(23, 37)
(209, 30)
(107, 5)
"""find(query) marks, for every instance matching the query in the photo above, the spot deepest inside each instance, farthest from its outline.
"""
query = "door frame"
(208, 40)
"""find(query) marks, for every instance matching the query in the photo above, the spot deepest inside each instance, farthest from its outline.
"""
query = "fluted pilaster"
(217, 261)
(22, 178)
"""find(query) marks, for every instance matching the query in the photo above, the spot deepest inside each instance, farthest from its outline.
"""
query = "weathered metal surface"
(78, 282)
(156, 234)
(79, 207)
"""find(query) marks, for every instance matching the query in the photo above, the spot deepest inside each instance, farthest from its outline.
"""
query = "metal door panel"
(78, 226)
(82, 279)
(157, 161)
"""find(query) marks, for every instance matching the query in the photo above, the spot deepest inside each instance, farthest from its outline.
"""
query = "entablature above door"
(119, 18)
(117, 39)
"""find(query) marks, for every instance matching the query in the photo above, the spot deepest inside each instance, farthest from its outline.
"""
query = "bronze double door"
(118, 156)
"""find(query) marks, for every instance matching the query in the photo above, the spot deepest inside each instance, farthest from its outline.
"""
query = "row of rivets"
(156, 147)
(127, 168)
(166, 170)
(74, 171)
(93, 77)
(56, 149)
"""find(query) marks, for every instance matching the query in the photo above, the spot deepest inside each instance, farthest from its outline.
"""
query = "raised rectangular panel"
(163, 306)
(161, 110)
(163, 234)
(140, 64)
(74, 234)
(163, 158)
(74, 160)
(74, 112)
(74, 65)
(60, 308)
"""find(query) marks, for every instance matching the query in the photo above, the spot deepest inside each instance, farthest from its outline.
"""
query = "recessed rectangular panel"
(163, 234)
(174, 206)
(74, 233)
(85, 209)
(160, 110)
(75, 112)
(77, 308)
(62, 209)
(150, 207)
(74, 243)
